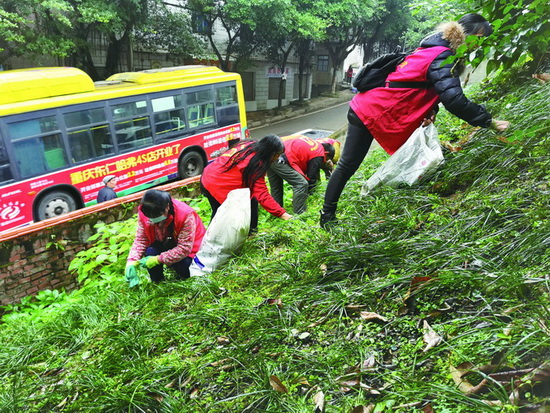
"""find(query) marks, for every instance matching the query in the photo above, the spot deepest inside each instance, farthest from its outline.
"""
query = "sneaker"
(328, 220)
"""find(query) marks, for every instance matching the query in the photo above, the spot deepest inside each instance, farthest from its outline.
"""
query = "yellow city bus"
(61, 133)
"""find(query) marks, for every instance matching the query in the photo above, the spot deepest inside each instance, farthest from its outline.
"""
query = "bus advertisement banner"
(135, 170)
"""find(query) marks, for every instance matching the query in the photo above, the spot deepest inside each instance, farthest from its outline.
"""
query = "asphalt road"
(326, 119)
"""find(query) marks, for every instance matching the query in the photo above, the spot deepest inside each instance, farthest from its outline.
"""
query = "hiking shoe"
(328, 220)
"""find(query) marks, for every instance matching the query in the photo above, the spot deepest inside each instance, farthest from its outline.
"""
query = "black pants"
(356, 147)
(157, 273)
(215, 205)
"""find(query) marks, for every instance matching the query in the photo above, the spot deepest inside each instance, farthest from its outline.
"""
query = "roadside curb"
(267, 117)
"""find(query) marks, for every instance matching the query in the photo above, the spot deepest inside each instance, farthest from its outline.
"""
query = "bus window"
(200, 111)
(87, 141)
(201, 115)
(208, 114)
(84, 117)
(194, 116)
(201, 96)
(169, 114)
(227, 107)
(226, 95)
(228, 115)
(37, 154)
(5, 172)
(132, 127)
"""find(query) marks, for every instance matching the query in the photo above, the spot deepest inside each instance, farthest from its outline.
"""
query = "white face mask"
(157, 219)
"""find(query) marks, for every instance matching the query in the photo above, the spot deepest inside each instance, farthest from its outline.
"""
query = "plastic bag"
(418, 158)
(225, 235)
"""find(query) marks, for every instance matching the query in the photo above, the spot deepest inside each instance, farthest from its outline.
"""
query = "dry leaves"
(352, 378)
(542, 77)
(224, 364)
(277, 384)
(222, 340)
(431, 338)
(515, 381)
(373, 317)
(417, 283)
(194, 393)
(363, 409)
(319, 400)
(272, 301)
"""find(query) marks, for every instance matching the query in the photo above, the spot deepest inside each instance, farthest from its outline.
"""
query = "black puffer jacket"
(446, 80)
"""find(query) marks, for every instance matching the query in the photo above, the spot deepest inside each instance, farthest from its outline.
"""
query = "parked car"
(315, 133)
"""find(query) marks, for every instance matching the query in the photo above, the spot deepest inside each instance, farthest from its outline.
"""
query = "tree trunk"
(282, 86)
(114, 51)
(82, 59)
(282, 83)
(129, 54)
(333, 80)
(368, 46)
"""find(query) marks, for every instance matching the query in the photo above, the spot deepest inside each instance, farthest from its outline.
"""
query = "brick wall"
(39, 260)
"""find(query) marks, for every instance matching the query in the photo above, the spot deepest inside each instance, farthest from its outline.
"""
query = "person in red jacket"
(410, 98)
(169, 233)
(244, 166)
(299, 165)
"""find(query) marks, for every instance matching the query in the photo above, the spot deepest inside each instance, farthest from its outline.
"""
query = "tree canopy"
(237, 30)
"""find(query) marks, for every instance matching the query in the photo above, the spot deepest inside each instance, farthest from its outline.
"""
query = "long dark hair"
(263, 151)
(473, 23)
(154, 203)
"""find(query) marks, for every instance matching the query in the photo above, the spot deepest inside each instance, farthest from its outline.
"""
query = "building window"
(199, 23)
(273, 91)
(322, 63)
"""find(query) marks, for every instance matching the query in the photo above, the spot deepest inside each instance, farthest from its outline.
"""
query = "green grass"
(288, 305)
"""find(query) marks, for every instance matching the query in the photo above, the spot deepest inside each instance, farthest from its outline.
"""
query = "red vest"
(220, 182)
(181, 211)
(299, 150)
(393, 114)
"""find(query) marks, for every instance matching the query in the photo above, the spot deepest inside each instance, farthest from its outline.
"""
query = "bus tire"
(190, 164)
(54, 204)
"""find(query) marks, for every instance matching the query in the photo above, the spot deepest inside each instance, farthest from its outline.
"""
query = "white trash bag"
(418, 158)
(225, 235)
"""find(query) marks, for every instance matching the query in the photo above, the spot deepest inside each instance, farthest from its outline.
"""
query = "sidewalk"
(266, 117)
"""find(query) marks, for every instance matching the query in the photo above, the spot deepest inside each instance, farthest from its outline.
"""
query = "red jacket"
(393, 114)
(220, 182)
(300, 150)
(181, 212)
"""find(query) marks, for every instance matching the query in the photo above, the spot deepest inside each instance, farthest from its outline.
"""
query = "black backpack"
(374, 74)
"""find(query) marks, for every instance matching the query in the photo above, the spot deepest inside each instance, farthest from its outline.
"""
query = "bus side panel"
(147, 166)
(134, 170)
(16, 204)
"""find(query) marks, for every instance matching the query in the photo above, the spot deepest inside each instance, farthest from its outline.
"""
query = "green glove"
(150, 262)
(131, 273)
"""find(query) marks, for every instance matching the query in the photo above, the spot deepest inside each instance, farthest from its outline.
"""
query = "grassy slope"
(289, 305)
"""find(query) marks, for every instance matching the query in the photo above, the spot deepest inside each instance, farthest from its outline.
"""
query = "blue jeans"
(157, 273)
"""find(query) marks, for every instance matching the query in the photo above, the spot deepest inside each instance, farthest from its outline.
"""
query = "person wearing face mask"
(169, 233)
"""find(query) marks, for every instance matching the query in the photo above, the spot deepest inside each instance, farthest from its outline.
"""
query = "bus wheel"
(190, 164)
(55, 204)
